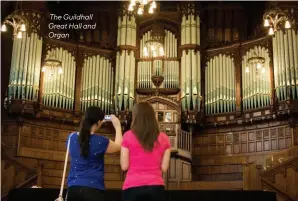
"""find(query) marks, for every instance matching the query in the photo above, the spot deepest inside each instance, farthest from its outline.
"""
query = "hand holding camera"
(115, 121)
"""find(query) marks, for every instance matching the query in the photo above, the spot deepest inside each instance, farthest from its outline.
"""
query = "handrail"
(24, 184)
(13, 160)
(32, 173)
(275, 188)
(285, 163)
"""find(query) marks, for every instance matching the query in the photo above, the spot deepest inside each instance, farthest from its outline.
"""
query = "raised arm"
(115, 146)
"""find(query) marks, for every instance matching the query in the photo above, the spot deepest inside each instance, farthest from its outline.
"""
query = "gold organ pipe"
(119, 31)
(225, 96)
(17, 68)
(207, 89)
(107, 86)
(198, 32)
(193, 29)
(183, 79)
(21, 68)
(183, 30)
(214, 86)
(291, 62)
(275, 66)
(187, 29)
(220, 85)
(84, 80)
(286, 61)
(188, 78)
(129, 32)
(285, 51)
(295, 55)
(124, 63)
(100, 83)
(96, 80)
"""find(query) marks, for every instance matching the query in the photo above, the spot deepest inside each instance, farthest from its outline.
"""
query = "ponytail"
(84, 138)
(93, 114)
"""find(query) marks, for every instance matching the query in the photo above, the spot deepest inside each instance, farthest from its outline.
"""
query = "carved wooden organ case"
(184, 82)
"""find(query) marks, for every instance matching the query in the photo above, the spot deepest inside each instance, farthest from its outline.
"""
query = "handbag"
(60, 197)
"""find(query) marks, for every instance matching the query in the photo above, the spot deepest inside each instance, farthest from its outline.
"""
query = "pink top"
(144, 167)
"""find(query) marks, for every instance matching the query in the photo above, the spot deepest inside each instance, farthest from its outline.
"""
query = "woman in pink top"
(145, 154)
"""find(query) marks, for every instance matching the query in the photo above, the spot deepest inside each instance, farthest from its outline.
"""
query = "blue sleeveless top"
(88, 172)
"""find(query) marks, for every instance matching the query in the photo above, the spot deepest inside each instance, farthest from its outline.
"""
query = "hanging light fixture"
(154, 46)
(276, 19)
(49, 66)
(17, 22)
(256, 61)
(139, 5)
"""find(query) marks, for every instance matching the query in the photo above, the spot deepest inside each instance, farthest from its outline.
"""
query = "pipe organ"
(25, 67)
(97, 83)
(125, 62)
(171, 63)
(58, 89)
(167, 67)
(285, 54)
(220, 85)
(256, 82)
(190, 61)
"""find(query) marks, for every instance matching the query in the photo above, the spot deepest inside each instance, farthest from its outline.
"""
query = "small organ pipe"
(198, 31)
(291, 62)
(129, 32)
(193, 30)
(183, 30)
(96, 88)
(275, 66)
(101, 81)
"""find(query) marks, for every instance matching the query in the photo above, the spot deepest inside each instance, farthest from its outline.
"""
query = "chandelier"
(139, 5)
(17, 22)
(50, 65)
(154, 46)
(276, 19)
(256, 61)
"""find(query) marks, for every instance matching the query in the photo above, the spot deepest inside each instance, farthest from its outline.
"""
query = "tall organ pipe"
(59, 88)
(220, 85)
(285, 64)
(190, 63)
(25, 67)
(170, 63)
(125, 59)
(256, 82)
(97, 81)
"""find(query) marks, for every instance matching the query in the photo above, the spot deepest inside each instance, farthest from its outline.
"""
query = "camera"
(107, 117)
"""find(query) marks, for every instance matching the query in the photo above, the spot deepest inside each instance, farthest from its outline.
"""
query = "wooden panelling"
(244, 142)
(201, 185)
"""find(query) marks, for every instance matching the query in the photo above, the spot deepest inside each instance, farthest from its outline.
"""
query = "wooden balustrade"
(184, 141)
(15, 174)
(277, 173)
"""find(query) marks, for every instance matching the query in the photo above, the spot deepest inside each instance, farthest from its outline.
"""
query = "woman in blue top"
(87, 150)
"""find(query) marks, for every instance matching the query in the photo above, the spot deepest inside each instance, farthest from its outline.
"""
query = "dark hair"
(92, 116)
(144, 125)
